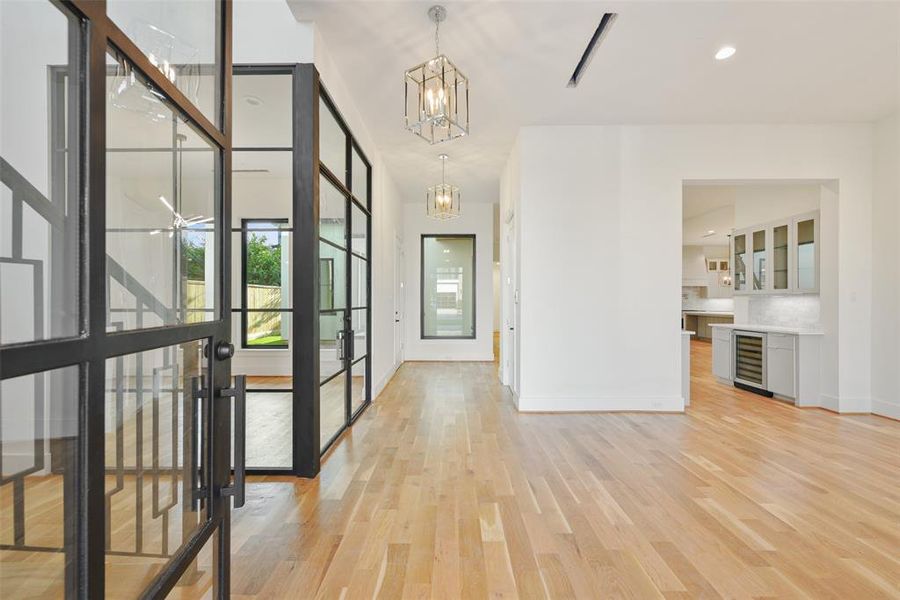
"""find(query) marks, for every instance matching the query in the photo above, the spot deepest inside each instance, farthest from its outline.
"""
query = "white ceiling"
(796, 62)
(707, 208)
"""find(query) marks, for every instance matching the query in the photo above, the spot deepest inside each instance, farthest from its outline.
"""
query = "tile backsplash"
(694, 298)
(784, 311)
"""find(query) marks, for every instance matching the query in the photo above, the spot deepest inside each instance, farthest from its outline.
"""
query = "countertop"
(768, 328)
(685, 332)
(707, 313)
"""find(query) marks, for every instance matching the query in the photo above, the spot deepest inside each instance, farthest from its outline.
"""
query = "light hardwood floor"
(443, 490)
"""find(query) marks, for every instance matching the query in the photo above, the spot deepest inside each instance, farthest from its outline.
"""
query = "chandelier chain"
(437, 38)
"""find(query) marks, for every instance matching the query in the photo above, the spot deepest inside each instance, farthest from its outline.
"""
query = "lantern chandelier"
(442, 201)
(436, 94)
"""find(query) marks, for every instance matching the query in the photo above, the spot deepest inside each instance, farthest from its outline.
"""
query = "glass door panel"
(197, 582)
(806, 255)
(331, 359)
(38, 451)
(740, 265)
(180, 39)
(332, 142)
(161, 209)
(358, 385)
(39, 206)
(155, 440)
(332, 408)
(759, 260)
(780, 258)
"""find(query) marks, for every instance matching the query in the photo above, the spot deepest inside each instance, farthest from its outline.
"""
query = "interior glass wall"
(344, 275)
(265, 196)
(262, 197)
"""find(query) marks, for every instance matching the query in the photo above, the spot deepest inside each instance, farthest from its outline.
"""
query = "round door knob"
(224, 350)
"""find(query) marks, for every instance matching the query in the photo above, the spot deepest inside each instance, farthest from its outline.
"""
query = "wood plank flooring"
(443, 491)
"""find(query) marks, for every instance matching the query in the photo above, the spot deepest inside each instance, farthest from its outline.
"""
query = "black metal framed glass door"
(344, 299)
(114, 347)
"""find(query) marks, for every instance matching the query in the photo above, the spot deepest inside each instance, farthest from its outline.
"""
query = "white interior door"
(399, 293)
(509, 354)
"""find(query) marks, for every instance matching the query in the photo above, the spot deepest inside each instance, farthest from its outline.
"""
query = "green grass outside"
(269, 340)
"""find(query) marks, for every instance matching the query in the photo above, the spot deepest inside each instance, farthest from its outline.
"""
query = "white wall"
(266, 31)
(387, 220)
(625, 185)
(474, 219)
(886, 280)
(495, 280)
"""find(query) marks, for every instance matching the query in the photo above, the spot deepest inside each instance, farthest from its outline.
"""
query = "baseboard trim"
(385, 381)
(828, 403)
(474, 358)
(886, 409)
(659, 404)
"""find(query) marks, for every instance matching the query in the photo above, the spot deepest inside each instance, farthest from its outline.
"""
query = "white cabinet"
(781, 257)
(722, 354)
(718, 274)
(791, 363)
(693, 267)
(780, 364)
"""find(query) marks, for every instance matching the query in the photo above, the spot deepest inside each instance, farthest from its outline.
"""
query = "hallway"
(444, 490)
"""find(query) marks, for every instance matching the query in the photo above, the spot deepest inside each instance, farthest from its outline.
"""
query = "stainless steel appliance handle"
(238, 489)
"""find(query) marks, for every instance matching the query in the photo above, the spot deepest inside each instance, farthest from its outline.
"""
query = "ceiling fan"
(178, 221)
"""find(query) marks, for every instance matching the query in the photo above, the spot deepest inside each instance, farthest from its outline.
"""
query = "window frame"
(469, 236)
(245, 310)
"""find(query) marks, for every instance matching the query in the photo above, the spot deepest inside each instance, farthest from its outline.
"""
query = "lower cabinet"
(722, 353)
(780, 364)
(792, 363)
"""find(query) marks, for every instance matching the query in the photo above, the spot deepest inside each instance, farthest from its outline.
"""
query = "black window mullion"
(349, 334)
(92, 460)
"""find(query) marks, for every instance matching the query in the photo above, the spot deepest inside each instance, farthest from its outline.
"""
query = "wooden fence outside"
(258, 296)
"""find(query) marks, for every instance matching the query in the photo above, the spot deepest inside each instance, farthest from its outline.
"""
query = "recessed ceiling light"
(725, 52)
(253, 100)
(710, 232)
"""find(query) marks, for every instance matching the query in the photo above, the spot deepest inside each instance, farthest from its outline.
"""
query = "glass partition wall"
(302, 306)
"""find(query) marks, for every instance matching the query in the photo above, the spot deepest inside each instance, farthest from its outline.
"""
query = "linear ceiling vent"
(605, 23)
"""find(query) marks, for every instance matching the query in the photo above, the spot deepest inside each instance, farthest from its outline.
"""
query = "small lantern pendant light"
(436, 94)
(442, 201)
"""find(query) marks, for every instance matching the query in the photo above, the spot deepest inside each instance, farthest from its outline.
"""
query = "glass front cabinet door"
(781, 257)
(806, 232)
(760, 260)
(739, 256)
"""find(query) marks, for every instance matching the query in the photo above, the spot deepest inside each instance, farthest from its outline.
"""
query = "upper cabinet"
(806, 252)
(781, 257)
